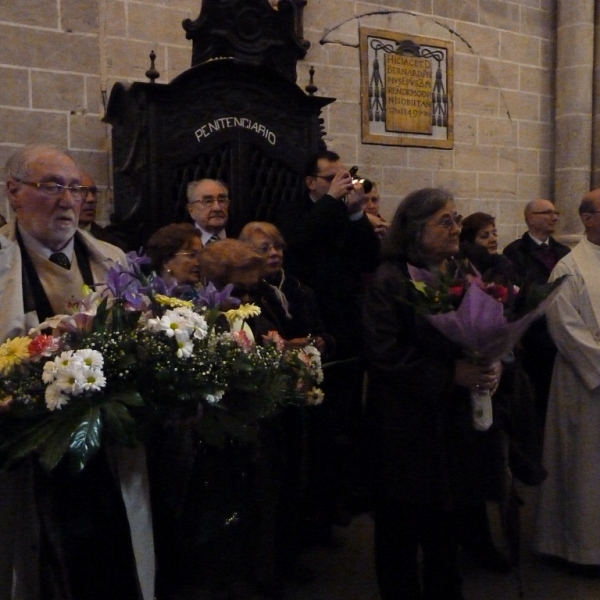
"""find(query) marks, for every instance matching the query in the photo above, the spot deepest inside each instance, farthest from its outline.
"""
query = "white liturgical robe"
(568, 516)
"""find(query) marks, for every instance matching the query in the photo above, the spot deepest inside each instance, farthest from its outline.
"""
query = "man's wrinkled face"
(90, 201)
(209, 206)
(372, 203)
(50, 219)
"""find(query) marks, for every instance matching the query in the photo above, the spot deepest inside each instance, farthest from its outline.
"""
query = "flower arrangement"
(135, 351)
(486, 319)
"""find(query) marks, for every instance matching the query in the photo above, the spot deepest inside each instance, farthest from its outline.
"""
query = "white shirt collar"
(37, 246)
(539, 242)
(206, 235)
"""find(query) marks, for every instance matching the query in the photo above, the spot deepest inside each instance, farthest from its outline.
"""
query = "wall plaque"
(406, 89)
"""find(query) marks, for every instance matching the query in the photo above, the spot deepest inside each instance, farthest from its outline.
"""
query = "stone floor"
(345, 570)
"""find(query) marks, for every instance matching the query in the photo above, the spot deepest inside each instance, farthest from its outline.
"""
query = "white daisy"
(70, 380)
(314, 396)
(185, 348)
(93, 380)
(49, 371)
(55, 398)
(90, 358)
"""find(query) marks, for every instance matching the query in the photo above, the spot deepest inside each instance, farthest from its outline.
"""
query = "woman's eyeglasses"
(450, 222)
(264, 248)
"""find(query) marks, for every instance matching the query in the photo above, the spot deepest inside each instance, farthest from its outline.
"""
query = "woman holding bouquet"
(429, 461)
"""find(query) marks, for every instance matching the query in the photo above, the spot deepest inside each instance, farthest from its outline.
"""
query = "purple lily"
(135, 300)
(211, 297)
(119, 281)
(135, 260)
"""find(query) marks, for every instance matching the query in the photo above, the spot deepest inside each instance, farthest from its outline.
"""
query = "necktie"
(547, 257)
(60, 259)
(213, 238)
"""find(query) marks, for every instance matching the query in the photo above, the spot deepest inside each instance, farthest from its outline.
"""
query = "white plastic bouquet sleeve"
(481, 409)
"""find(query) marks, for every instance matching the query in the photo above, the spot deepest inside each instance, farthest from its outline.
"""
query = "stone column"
(574, 110)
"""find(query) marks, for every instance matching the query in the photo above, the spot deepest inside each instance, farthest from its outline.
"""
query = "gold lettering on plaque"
(408, 89)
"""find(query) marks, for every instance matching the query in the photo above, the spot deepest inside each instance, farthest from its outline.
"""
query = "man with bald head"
(536, 253)
(569, 500)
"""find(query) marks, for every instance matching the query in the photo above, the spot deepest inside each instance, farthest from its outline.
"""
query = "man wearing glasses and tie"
(208, 205)
(534, 256)
(64, 535)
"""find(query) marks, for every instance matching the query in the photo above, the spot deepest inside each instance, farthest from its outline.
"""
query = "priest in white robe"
(568, 516)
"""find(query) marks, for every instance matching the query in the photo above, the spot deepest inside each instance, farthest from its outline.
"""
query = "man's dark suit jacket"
(331, 254)
(539, 349)
(524, 255)
(105, 235)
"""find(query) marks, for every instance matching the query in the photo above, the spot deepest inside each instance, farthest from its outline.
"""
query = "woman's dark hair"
(403, 239)
(473, 224)
(167, 241)
(312, 164)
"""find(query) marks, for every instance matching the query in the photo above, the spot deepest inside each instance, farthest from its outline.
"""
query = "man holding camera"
(332, 248)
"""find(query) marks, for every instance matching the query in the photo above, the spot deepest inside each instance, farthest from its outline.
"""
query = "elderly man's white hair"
(17, 165)
(192, 185)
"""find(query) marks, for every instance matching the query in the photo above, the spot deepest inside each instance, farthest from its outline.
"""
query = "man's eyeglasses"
(50, 188)
(195, 254)
(450, 222)
(329, 178)
(548, 212)
(208, 201)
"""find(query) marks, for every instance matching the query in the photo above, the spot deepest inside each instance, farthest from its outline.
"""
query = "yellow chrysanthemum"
(13, 352)
(245, 311)
(173, 302)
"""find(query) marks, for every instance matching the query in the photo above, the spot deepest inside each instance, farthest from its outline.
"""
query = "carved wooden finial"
(152, 74)
(311, 88)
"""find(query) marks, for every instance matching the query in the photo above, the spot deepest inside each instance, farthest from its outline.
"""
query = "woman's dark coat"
(424, 447)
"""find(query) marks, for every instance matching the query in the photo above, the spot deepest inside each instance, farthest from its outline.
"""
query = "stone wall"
(60, 59)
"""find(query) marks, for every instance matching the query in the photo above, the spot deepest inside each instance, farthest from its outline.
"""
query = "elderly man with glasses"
(533, 256)
(208, 205)
(536, 253)
(85, 536)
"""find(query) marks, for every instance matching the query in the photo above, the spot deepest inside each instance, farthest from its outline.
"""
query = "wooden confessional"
(235, 115)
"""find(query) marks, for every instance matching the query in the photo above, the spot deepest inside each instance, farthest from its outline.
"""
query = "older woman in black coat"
(428, 459)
